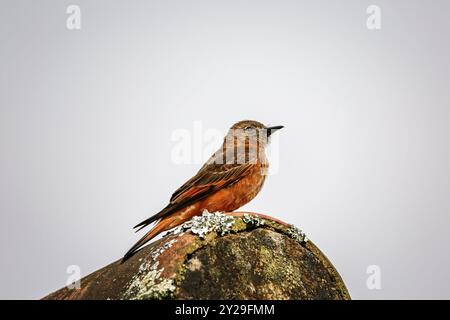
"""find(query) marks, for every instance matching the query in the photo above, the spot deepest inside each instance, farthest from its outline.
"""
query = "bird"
(229, 179)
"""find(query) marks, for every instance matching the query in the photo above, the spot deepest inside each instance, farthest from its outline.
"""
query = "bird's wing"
(213, 176)
(226, 166)
(210, 178)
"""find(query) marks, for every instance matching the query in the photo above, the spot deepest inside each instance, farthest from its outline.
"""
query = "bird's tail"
(157, 229)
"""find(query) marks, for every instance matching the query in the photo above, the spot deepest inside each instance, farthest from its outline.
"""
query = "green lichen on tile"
(297, 235)
(148, 284)
(253, 220)
(210, 222)
(206, 223)
(160, 249)
(238, 226)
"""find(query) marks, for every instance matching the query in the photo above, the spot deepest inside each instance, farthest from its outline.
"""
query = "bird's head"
(250, 130)
(245, 142)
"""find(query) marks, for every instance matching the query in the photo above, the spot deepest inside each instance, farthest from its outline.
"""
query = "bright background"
(86, 119)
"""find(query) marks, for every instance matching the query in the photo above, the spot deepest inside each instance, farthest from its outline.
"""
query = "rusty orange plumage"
(232, 177)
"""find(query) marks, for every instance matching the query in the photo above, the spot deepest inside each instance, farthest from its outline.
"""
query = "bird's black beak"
(271, 130)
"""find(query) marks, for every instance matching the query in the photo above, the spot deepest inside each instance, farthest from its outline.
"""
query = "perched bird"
(232, 177)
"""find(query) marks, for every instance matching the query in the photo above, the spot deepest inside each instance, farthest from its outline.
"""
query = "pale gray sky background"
(86, 119)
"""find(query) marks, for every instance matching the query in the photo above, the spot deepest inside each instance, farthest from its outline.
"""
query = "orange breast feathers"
(237, 194)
